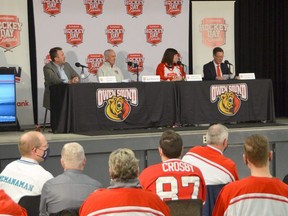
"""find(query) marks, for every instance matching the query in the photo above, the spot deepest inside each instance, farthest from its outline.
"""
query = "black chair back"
(31, 204)
(67, 212)
(186, 207)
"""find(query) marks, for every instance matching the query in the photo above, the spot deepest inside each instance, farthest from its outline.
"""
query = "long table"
(225, 101)
(94, 106)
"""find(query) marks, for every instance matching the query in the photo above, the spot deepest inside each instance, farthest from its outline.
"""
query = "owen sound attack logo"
(117, 102)
(229, 97)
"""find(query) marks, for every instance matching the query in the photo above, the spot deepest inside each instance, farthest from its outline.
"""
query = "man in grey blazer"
(57, 71)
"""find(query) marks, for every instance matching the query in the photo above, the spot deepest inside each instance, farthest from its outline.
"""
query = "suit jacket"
(210, 71)
(52, 77)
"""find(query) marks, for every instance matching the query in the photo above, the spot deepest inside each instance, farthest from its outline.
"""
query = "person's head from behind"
(217, 135)
(73, 156)
(57, 55)
(256, 151)
(170, 57)
(123, 165)
(218, 55)
(171, 145)
(33, 144)
(110, 56)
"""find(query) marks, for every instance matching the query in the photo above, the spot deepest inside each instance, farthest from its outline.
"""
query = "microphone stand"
(137, 72)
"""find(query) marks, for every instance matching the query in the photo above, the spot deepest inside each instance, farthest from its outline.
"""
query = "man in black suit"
(215, 69)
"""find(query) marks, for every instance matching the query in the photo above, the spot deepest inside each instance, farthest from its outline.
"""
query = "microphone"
(132, 64)
(77, 64)
(227, 62)
(180, 63)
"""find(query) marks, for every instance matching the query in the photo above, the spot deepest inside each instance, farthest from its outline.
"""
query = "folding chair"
(31, 204)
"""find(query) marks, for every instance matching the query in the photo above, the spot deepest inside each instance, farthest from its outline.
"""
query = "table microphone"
(77, 64)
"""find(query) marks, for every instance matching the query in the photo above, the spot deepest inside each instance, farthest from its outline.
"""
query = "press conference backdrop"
(14, 54)
(138, 31)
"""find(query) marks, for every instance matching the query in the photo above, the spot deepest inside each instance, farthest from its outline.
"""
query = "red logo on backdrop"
(47, 59)
(52, 7)
(154, 34)
(134, 7)
(173, 7)
(115, 34)
(10, 28)
(135, 58)
(94, 7)
(74, 34)
(94, 61)
(213, 31)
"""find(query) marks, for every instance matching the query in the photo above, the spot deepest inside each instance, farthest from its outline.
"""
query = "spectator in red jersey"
(258, 194)
(9, 207)
(168, 69)
(125, 195)
(173, 178)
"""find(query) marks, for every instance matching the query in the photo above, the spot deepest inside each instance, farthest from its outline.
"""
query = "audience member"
(25, 177)
(258, 194)
(57, 71)
(72, 187)
(109, 67)
(9, 207)
(125, 195)
(215, 69)
(173, 179)
(168, 69)
(215, 167)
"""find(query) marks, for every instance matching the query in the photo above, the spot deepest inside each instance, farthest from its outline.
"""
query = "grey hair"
(216, 134)
(123, 165)
(106, 52)
(73, 155)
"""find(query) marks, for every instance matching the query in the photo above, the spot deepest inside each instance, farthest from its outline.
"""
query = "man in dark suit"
(57, 71)
(215, 69)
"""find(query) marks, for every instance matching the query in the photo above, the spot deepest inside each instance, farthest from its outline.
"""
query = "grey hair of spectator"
(216, 134)
(123, 165)
(73, 155)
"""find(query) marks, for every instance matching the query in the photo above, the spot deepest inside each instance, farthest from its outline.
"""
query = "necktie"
(218, 70)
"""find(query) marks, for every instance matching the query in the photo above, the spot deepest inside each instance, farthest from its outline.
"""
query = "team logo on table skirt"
(136, 60)
(94, 61)
(134, 7)
(213, 31)
(173, 7)
(154, 34)
(52, 7)
(115, 34)
(229, 97)
(10, 29)
(74, 34)
(94, 7)
(117, 102)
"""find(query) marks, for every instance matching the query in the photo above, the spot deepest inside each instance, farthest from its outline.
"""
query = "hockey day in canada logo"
(117, 102)
(213, 31)
(114, 34)
(229, 97)
(173, 7)
(10, 29)
(74, 34)
(137, 61)
(94, 7)
(154, 34)
(52, 7)
(94, 61)
(134, 7)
